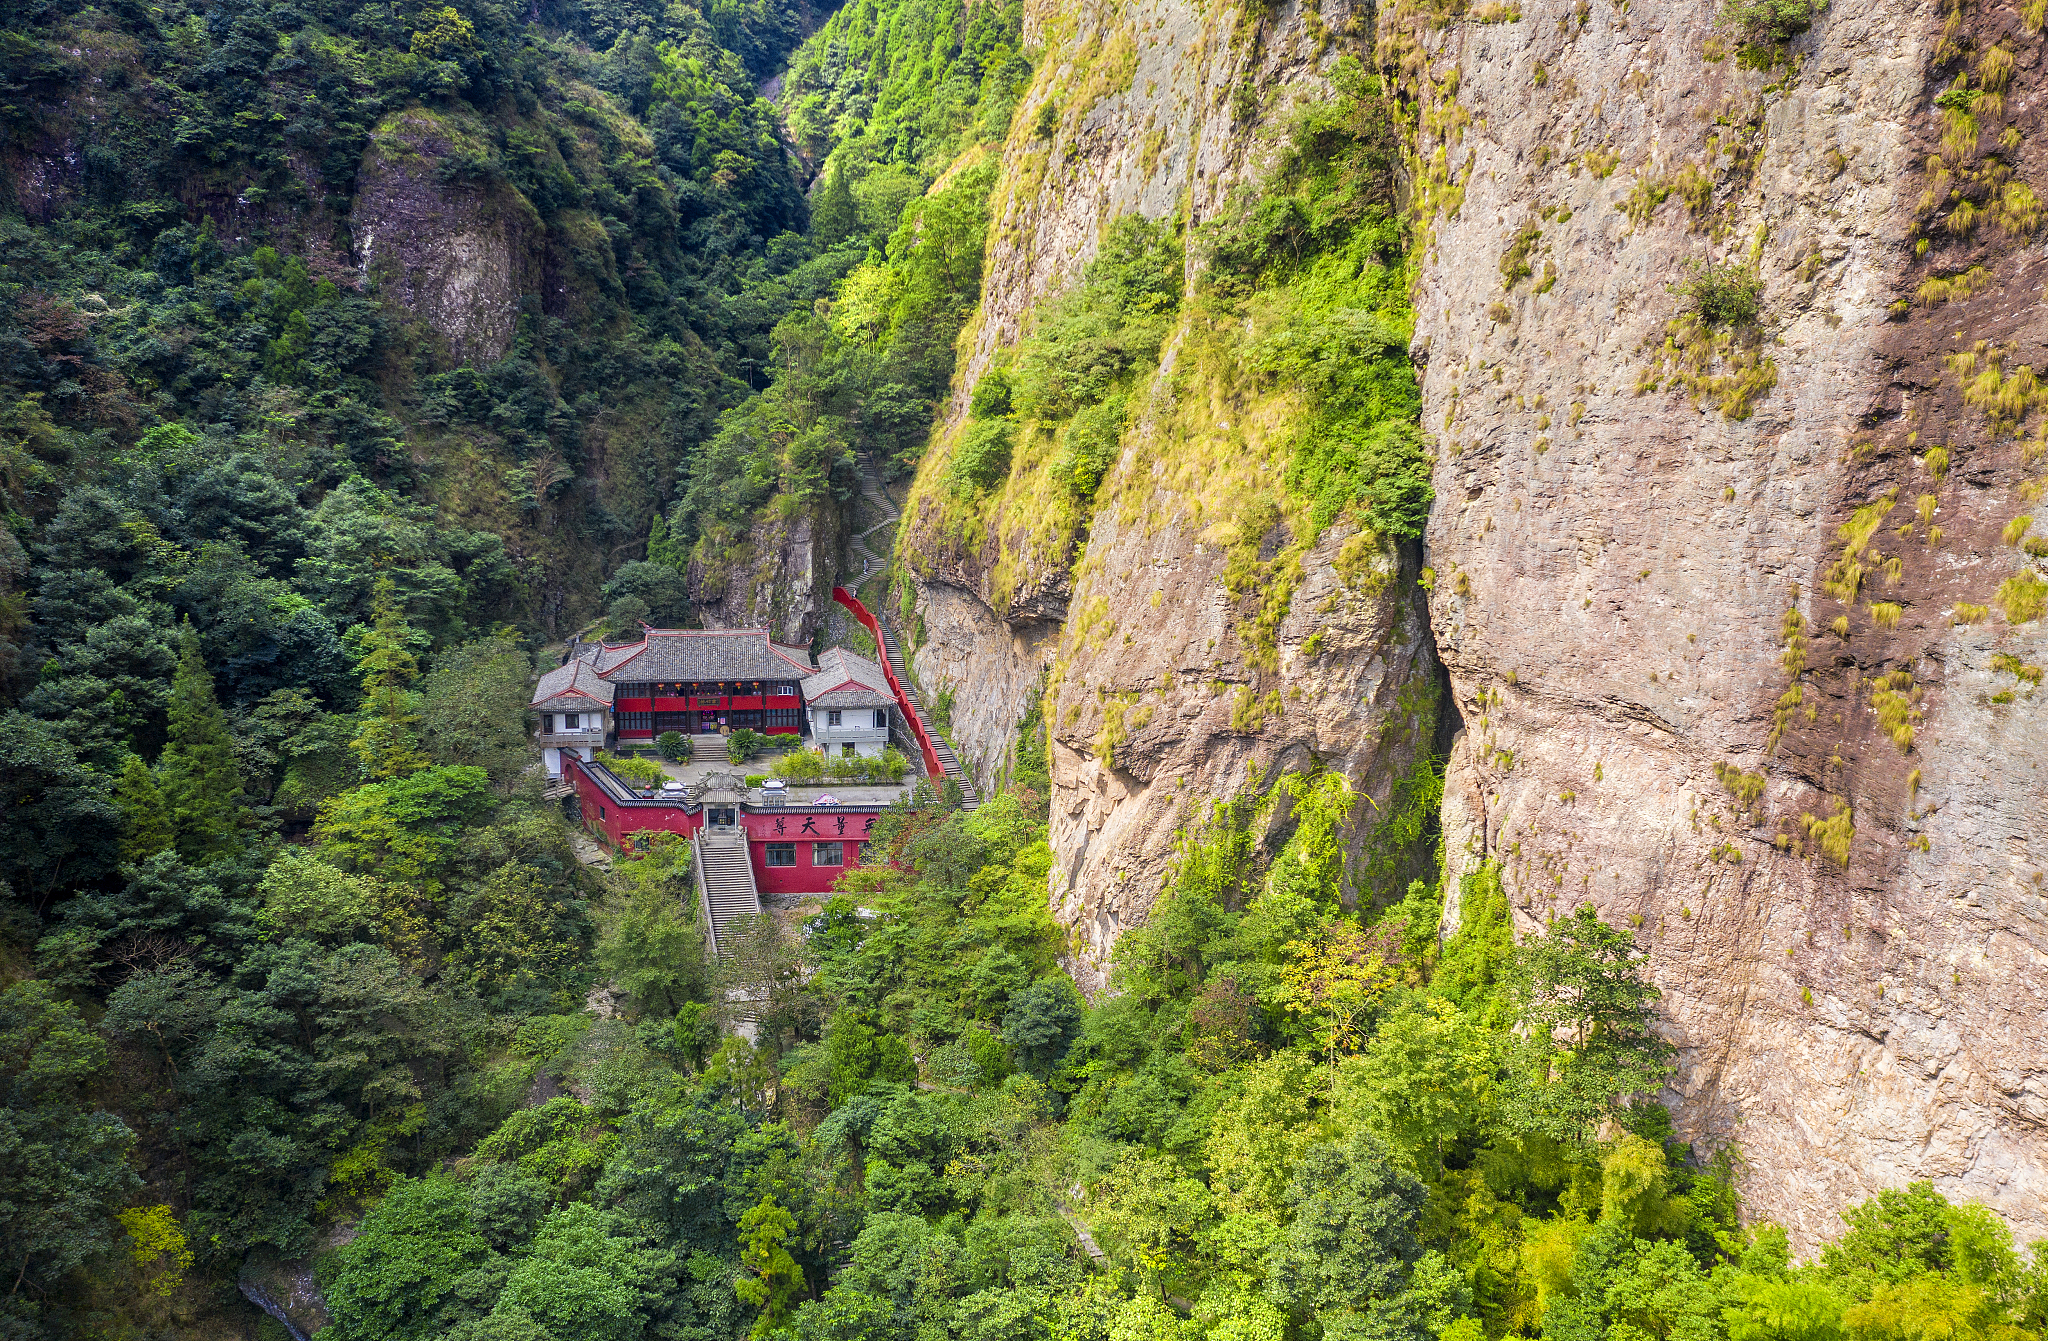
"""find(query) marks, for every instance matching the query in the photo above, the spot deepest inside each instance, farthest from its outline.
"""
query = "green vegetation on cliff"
(300, 972)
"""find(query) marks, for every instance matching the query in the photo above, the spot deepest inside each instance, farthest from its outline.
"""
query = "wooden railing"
(932, 767)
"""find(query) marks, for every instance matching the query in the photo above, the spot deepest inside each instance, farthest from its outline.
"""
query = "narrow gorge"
(1023, 670)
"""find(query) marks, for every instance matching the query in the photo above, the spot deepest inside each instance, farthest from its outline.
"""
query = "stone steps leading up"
(871, 489)
(725, 881)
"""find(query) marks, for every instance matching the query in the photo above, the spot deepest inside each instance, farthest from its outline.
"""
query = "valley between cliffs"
(1731, 628)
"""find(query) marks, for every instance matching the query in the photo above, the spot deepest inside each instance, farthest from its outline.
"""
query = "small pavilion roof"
(847, 680)
(572, 683)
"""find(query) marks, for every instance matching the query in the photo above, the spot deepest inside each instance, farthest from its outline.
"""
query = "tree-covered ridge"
(188, 192)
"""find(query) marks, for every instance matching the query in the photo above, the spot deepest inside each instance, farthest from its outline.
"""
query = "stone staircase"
(969, 798)
(707, 748)
(725, 882)
(871, 489)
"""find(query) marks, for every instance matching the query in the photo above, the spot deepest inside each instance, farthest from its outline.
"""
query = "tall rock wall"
(1720, 603)
(1726, 356)
(1132, 111)
(1161, 688)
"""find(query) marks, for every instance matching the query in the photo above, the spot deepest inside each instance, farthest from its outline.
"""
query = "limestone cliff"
(1166, 681)
(1732, 611)
(1736, 563)
(453, 255)
(779, 578)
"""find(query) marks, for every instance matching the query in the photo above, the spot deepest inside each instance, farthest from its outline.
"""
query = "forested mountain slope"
(1352, 945)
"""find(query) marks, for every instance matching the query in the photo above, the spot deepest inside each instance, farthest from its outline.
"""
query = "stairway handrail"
(933, 768)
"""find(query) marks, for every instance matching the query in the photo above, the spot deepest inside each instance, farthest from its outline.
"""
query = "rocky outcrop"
(779, 577)
(289, 1290)
(1720, 602)
(1145, 108)
(1165, 702)
(1166, 683)
(450, 253)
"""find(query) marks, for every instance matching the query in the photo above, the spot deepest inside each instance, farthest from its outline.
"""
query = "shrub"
(991, 395)
(1772, 22)
(1722, 295)
(634, 771)
(983, 458)
(800, 766)
(673, 746)
(1091, 447)
(743, 745)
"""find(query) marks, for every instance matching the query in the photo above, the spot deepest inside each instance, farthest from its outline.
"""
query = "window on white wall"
(569, 720)
(881, 719)
(832, 717)
(547, 722)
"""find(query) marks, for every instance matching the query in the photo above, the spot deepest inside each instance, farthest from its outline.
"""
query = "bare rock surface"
(780, 579)
(1640, 574)
(450, 254)
(1157, 702)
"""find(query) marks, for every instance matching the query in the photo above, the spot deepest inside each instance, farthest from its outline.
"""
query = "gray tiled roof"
(703, 654)
(576, 678)
(847, 680)
(850, 698)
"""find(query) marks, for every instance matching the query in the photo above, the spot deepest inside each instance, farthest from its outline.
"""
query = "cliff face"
(1132, 111)
(452, 255)
(780, 579)
(1732, 612)
(1166, 682)
(1726, 347)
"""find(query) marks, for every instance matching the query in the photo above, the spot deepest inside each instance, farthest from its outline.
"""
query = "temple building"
(710, 681)
(848, 704)
(749, 836)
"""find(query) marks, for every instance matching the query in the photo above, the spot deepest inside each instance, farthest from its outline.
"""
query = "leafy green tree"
(387, 741)
(589, 1275)
(472, 707)
(402, 1274)
(512, 931)
(145, 818)
(1589, 1042)
(652, 953)
(1042, 1022)
(774, 1280)
(407, 829)
(861, 1051)
(63, 1164)
(1782, 1310)
(1349, 1253)
(1427, 1079)
(201, 777)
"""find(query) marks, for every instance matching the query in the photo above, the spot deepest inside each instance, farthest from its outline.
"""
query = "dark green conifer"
(145, 820)
(200, 778)
(388, 740)
(836, 215)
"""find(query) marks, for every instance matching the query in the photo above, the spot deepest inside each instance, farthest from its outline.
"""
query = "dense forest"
(306, 989)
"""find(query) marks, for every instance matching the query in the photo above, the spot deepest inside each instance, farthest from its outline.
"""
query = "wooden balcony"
(593, 735)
